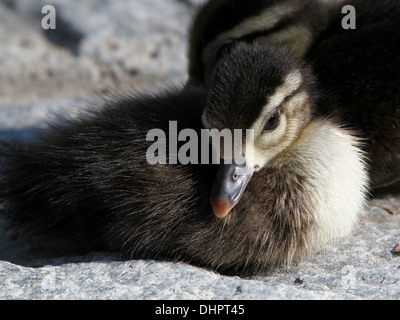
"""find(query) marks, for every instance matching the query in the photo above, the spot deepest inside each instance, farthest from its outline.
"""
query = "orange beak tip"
(221, 207)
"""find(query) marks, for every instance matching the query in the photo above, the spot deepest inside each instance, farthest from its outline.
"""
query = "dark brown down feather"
(89, 180)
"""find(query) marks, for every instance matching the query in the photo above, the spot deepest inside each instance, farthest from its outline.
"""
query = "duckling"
(295, 23)
(89, 178)
(317, 167)
(358, 71)
(358, 75)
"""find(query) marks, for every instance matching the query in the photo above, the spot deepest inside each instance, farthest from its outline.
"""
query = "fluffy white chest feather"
(336, 169)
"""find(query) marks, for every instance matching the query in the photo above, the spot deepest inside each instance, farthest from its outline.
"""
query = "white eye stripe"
(298, 99)
(265, 21)
(291, 83)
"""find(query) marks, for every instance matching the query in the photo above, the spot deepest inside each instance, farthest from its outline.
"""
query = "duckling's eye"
(273, 122)
(224, 49)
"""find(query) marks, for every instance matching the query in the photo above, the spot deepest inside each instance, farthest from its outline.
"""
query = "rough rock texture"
(361, 267)
(103, 46)
(96, 46)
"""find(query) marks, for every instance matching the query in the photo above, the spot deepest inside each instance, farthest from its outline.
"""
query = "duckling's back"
(358, 73)
(89, 179)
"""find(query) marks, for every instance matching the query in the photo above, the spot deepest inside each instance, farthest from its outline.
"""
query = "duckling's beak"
(229, 185)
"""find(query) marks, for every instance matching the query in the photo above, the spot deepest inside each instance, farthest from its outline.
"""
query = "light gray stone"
(360, 267)
(97, 47)
(134, 45)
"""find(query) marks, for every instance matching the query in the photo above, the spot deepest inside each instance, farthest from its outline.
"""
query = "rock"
(106, 46)
(96, 47)
(360, 267)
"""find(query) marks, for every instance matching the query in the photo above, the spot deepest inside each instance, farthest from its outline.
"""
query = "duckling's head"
(264, 89)
(218, 23)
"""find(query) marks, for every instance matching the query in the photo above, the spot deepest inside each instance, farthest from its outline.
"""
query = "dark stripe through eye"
(273, 122)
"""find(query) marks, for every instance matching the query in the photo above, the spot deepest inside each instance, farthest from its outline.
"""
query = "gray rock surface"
(97, 46)
(360, 267)
(103, 46)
